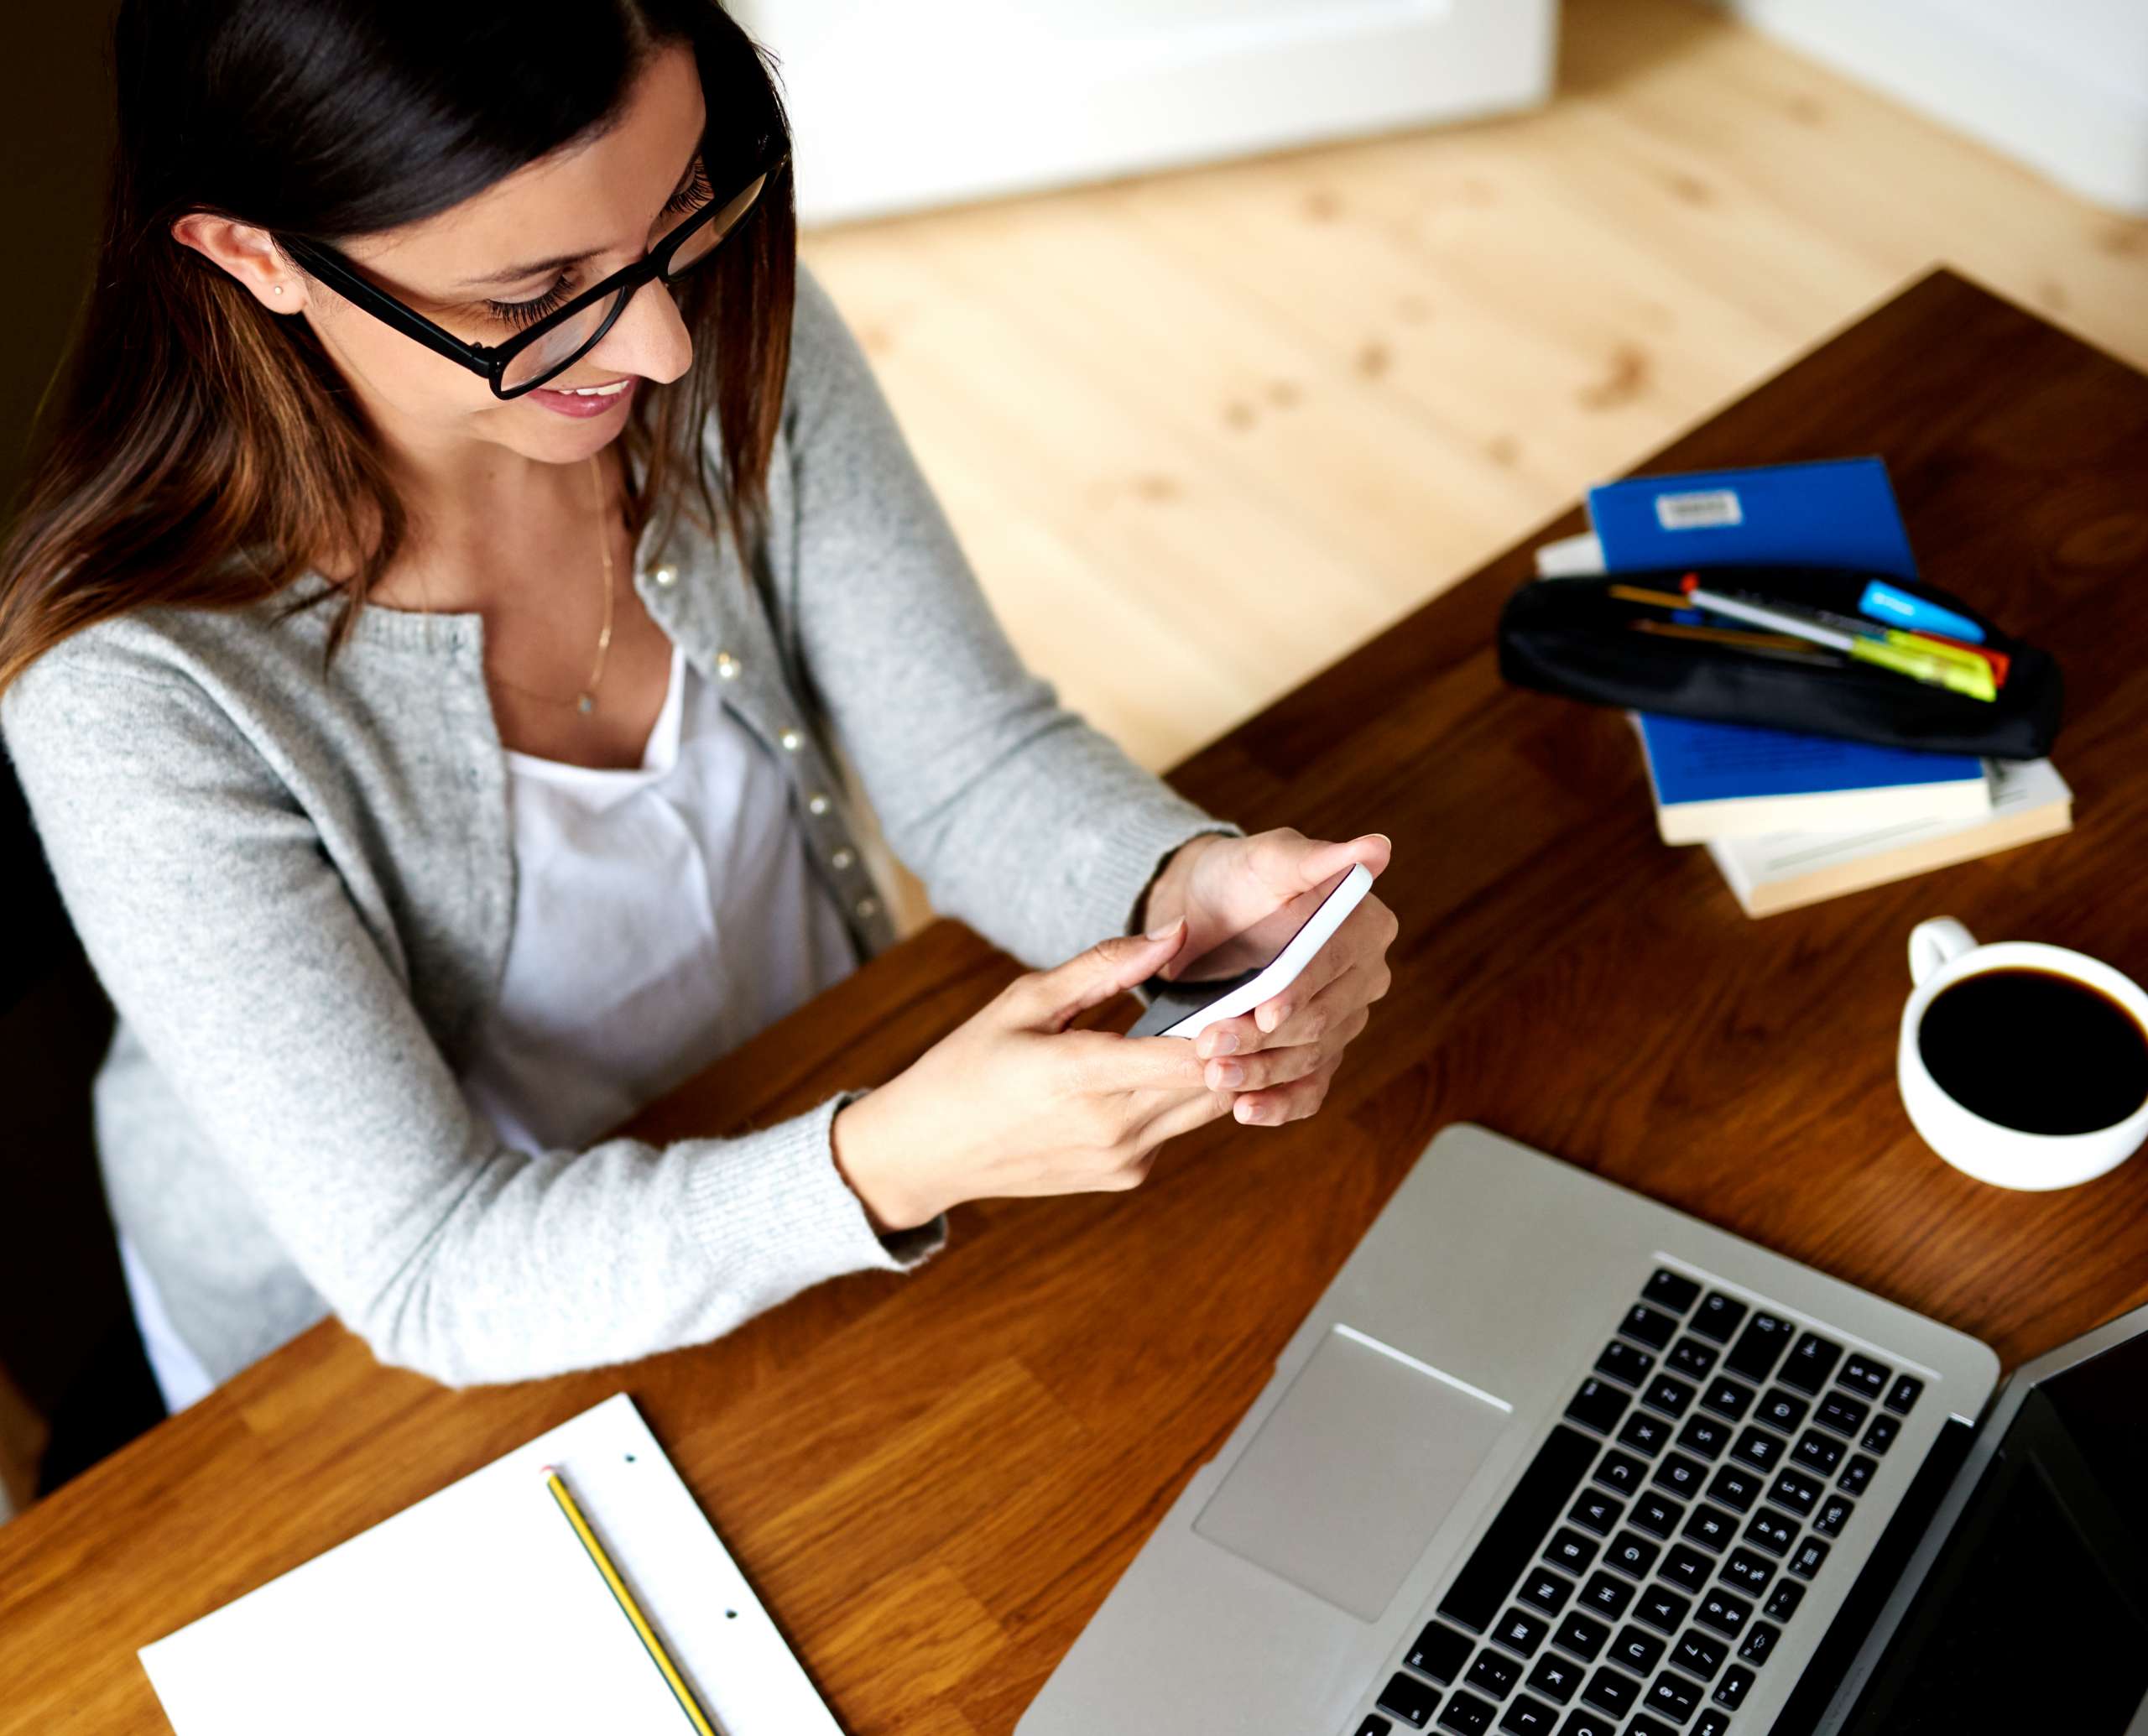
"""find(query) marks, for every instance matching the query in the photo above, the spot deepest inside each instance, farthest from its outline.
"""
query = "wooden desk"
(934, 1480)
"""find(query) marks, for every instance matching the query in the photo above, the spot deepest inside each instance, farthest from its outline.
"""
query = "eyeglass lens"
(565, 344)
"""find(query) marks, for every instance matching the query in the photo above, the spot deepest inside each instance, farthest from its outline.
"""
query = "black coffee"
(2033, 1049)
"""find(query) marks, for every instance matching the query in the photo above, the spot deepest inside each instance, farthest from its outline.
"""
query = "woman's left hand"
(1281, 1056)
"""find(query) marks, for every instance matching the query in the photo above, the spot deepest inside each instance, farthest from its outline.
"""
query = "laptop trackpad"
(1345, 1483)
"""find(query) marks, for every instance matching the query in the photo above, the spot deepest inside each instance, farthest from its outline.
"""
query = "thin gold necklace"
(585, 700)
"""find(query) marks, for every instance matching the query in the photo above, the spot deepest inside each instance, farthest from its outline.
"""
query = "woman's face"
(596, 206)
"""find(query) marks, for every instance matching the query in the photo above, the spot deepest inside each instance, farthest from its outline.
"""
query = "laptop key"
(1520, 1631)
(1513, 1536)
(1656, 1516)
(1439, 1653)
(1794, 1489)
(1528, 1717)
(1817, 1452)
(1841, 1413)
(1667, 1290)
(1570, 1550)
(1582, 1635)
(1736, 1487)
(1409, 1699)
(1613, 1693)
(1757, 1449)
(1492, 1673)
(1699, 1656)
(1598, 1406)
(1737, 1681)
(1783, 1600)
(1904, 1393)
(1691, 1358)
(1759, 1643)
(1661, 1607)
(1764, 1339)
(1630, 1554)
(1467, 1715)
(1605, 1594)
(1674, 1697)
(1546, 1590)
(1643, 1725)
(1748, 1571)
(1723, 1613)
(1375, 1725)
(1645, 1433)
(1680, 1475)
(1710, 1527)
(1595, 1512)
(1638, 1651)
(1781, 1410)
(1687, 1567)
(1621, 1470)
(1771, 1531)
(1582, 1721)
(1668, 1394)
(1833, 1515)
(1881, 1434)
(1719, 1316)
(1622, 1361)
(1810, 1553)
(1860, 1373)
(1857, 1475)
(1711, 1724)
(1556, 1677)
(1704, 1435)
(1727, 1399)
(1810, 1363)
(1652, 1327)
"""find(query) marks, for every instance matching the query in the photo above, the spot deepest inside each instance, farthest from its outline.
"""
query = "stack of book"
(1791, 819)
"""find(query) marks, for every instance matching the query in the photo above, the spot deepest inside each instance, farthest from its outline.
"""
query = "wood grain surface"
(933, 1480)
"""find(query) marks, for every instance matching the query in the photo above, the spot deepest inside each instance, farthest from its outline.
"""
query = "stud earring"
(279, 289)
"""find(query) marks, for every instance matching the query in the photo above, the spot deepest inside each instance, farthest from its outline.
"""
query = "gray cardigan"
(297, 890)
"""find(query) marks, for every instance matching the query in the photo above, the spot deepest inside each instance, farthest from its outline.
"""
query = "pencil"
(654, 1647)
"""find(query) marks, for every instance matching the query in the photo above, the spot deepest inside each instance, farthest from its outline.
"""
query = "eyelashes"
(696, 193)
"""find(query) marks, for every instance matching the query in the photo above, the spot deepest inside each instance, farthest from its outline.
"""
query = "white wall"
(896, 104)
(2062, 85)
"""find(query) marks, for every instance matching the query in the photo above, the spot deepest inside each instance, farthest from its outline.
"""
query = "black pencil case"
(1572, 637)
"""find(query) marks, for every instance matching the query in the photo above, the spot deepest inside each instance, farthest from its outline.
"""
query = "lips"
(600, 399)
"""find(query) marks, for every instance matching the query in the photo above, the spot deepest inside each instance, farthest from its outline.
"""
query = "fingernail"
(1268, 1017)
(1227, 1072)
(1170, 927)
(1224, 1042)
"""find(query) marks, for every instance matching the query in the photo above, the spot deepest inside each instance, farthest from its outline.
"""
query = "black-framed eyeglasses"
(562, 337)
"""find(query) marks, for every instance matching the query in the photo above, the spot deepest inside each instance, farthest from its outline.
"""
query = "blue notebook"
(1725, 781)
(1838, 513)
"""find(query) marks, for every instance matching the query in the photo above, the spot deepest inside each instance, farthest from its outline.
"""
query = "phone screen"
(1230, 965)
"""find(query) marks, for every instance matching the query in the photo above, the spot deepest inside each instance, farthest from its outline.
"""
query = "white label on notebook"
(1704, 509)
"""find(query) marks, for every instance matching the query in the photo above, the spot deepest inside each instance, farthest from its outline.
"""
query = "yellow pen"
(695, 1716)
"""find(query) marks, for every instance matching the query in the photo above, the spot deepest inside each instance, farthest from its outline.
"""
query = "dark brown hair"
(204, 452)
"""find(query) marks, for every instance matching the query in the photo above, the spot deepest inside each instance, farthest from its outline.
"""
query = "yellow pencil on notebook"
(654, 1647)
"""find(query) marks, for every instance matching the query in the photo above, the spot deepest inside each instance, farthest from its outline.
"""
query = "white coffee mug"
(1942, 953)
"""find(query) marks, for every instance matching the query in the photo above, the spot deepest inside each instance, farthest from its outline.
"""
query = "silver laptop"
(1550, 1459)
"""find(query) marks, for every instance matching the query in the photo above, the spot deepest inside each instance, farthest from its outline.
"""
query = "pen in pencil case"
(1917, 665)
(643, 1631)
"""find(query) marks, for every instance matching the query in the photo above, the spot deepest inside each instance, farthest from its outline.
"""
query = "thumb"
(1090, 979)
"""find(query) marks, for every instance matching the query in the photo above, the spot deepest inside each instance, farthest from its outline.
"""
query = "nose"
(649, 337)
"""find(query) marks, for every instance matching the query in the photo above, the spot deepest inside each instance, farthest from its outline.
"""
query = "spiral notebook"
(477, 1609)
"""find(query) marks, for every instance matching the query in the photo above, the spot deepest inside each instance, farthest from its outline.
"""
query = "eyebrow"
(515, 274)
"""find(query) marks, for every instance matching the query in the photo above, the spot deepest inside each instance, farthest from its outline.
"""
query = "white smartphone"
(1237, 975)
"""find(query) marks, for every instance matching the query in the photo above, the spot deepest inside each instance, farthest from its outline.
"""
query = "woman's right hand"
(1012, 1102)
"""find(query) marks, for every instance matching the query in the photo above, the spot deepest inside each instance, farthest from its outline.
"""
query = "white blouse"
(663, 914)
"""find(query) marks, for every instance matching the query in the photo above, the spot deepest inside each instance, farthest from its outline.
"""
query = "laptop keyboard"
(1642, 1572)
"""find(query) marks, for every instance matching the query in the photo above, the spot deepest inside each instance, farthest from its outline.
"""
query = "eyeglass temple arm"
(411, 324)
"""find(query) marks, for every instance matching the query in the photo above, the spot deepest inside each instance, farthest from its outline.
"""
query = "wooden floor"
(1202, 432)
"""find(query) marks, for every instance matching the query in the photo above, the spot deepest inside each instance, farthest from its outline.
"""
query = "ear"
(249, 254)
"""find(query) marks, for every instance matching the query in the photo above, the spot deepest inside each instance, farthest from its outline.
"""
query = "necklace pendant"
(585, 704)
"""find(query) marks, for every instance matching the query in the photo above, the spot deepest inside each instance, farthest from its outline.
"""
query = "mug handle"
(1937, 942)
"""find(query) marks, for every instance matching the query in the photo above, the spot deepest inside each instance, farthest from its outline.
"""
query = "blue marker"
(1883, 602)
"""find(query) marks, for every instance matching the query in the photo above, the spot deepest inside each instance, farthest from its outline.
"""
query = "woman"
(416, 850)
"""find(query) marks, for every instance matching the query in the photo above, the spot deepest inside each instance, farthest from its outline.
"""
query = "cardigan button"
(726, 665)
(867, 906)
(842, 859)
(666, 575)
(791, 738)
(816, 803)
